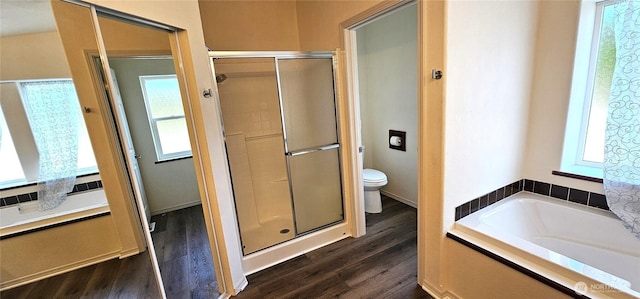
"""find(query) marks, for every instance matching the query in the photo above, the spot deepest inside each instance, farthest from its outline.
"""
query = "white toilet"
(373, 181)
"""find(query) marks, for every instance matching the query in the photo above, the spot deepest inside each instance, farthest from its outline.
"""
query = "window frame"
(153, 121)
(581, 100)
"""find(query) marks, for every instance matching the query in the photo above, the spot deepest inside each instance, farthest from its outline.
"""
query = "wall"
(249, 25)
(489, 69)
(170, 185)
(32, 56)
(56, 250)
(557, 26)
(388, 76)
(319, 22)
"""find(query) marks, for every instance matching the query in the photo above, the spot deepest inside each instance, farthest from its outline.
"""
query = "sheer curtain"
(53, 111)
(622, 141)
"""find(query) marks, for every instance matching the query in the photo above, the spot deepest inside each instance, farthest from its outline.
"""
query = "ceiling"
(25, 16)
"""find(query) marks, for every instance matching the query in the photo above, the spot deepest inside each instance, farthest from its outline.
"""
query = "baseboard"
(438, 294)
(400, 199)
(176, 207)
(240, 286)
(131, 252)
(5, 285)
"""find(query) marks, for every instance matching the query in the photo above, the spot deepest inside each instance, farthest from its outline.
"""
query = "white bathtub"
(580, 247)
(76, 206)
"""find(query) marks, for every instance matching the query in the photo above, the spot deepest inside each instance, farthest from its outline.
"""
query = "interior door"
(131, 156)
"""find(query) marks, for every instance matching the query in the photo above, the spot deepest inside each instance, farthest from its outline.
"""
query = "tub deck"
(563, 241)
(22, 218)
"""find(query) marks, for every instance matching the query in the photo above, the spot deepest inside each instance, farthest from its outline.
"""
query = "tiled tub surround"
(556, 191)
(26, 197)
(582, 251)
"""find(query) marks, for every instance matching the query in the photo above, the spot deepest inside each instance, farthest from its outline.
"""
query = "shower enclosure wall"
(280, 127)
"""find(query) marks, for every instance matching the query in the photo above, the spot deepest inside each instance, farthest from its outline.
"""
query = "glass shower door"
(251, 110)
(311, 141)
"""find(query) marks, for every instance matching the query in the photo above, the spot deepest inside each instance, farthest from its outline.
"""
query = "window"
(593, 69)
(18, 156)
(11, 169)
(166, 116)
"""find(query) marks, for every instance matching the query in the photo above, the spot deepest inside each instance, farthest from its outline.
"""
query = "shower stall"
(281, 133)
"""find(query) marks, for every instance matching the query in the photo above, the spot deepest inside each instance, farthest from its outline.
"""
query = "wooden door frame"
(431, 55)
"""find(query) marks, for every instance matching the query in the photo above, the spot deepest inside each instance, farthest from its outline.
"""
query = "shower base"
(267, 234)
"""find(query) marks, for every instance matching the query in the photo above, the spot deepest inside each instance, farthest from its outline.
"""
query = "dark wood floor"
(185, 262)
(184, 256)
(381, 264)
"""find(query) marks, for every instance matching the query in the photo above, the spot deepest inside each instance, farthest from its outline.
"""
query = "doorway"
(387, 74)
(142, 91)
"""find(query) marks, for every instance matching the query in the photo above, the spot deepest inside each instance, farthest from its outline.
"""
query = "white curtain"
(622, 141)
(53, 111)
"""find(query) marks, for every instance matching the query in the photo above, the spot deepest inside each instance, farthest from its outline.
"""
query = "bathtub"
(22, 218)
(583, 249)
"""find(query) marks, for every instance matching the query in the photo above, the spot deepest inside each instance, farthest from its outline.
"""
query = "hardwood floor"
(183, 254)
(117, 278)
(381, 264)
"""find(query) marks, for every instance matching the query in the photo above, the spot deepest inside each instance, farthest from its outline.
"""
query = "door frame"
(351, 90)
(431, 113)
(102, 73)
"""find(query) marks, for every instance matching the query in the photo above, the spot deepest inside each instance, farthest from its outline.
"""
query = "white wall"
(489, 71)
(388, 75)
(489, 67)
(170, 185)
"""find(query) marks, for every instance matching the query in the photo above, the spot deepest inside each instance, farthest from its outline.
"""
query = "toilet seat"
(372, 177)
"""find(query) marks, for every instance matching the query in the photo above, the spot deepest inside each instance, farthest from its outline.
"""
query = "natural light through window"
(583, 151)
(604, 64)
(166, 116)
(11, 168)
(14, 156)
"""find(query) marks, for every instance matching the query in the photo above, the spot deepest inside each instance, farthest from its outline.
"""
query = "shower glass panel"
(280, 127)
(309, 112)
(255, 146)
(308, 102)
(317, 190)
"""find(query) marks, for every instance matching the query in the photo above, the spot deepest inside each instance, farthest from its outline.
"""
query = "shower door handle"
(312, 150)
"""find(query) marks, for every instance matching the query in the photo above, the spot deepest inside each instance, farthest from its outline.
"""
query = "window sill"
(173, 159)
(577, 176)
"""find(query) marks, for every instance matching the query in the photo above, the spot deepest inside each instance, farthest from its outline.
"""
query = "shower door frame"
(286, 55)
